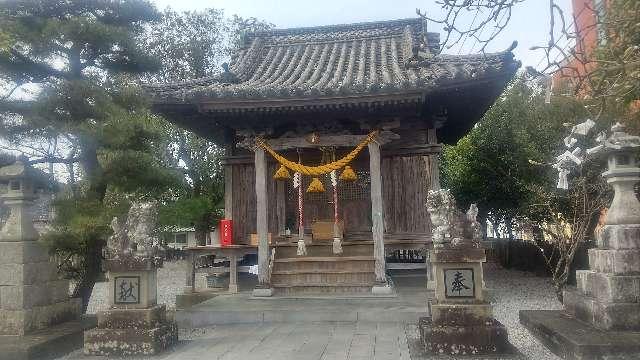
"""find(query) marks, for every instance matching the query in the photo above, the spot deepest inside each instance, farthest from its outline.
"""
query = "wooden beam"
(377, 218)
(327, 140)
(261, 216)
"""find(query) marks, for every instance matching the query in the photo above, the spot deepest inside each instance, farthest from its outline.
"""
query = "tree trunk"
(508, 222)
(92, 261)
(92, 170)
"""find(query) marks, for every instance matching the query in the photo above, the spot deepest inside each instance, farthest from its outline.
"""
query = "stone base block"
(574, 340)
(457, 314)
(124, 342)
(620, 237)
(488, 338)
(132, 318)
(263, 292)
(52, 342)
(22, 252)
(608, 287)
(383, 290)
(602, 315)
(19, 297)
(187, 300)
(623, 262)
(457, 255)
(20, 322)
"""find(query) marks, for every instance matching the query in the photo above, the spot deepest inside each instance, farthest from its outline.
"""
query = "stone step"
(609, 288)
(322, 264)
(325, 249)
(331, 277)
(602, 315)
(282, 289)
(622, 262)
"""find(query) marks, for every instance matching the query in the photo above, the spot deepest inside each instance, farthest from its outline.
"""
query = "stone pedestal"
(461, 321)
(32, 297)
(135, 324)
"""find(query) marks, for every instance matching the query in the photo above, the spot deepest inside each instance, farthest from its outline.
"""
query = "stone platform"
(574, 340)
(48, 343)
(408, 304)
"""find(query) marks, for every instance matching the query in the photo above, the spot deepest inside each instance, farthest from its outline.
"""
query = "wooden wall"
(244, 201)
(406, 181)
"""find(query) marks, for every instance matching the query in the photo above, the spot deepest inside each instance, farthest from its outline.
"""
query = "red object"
(226, 232)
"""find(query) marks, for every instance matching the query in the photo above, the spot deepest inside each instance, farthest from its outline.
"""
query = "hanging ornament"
(282, 173)
(334, 178)
(348, 174)
(315, 186)
(296, 180)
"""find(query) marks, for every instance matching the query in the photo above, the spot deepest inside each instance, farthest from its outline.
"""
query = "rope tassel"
(315, 186)
(282, 173)
(348, 174)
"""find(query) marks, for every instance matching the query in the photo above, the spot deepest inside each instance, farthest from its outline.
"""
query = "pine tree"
(67, 68)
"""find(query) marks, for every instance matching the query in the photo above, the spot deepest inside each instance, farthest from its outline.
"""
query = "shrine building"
(332, 136)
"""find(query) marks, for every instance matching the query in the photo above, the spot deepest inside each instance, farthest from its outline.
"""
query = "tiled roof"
(338, 61)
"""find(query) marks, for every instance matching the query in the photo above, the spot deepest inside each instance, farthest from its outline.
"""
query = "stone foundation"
(608, 296)
(461, 322)
(122, 332)
(485, 338)
(32, 297)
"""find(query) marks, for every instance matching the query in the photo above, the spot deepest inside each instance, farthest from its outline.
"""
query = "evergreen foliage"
(68, 67)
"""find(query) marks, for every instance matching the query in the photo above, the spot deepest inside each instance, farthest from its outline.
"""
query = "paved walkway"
(374, 338)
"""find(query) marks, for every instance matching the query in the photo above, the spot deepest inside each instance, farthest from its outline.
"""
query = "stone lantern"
(34, 301)
(19, 180)
(623, 174)
(604, 307)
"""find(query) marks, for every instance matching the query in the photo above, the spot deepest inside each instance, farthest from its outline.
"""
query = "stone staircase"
(321, 272)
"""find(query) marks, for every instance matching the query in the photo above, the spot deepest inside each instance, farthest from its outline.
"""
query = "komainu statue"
(135, 235)
(450, 227)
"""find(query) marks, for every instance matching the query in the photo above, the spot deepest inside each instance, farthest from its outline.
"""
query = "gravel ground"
(509, 290)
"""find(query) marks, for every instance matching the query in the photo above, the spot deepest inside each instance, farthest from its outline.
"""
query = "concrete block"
(620, 237)
(486, 339)
(263, 292)
(457, 314)
(623, 262)
(609, 288)
(575, 340)
(20, 322)
(578, 305)
(132, 318)
(584, 281)
(616, 316)
(22, 252)
(383, 290)
(125, 342)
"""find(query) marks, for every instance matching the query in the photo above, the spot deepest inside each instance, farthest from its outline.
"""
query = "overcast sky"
(529, 23)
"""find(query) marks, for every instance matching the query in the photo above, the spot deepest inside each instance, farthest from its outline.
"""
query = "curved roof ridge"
(333, 27)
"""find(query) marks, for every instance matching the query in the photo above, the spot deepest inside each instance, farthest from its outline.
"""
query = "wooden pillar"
(377, 218)
(228, 192)
(434, 167)
(281, 198)
(434, 184)
(261, 217)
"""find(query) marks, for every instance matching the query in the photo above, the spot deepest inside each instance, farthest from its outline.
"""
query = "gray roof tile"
(355, 59)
